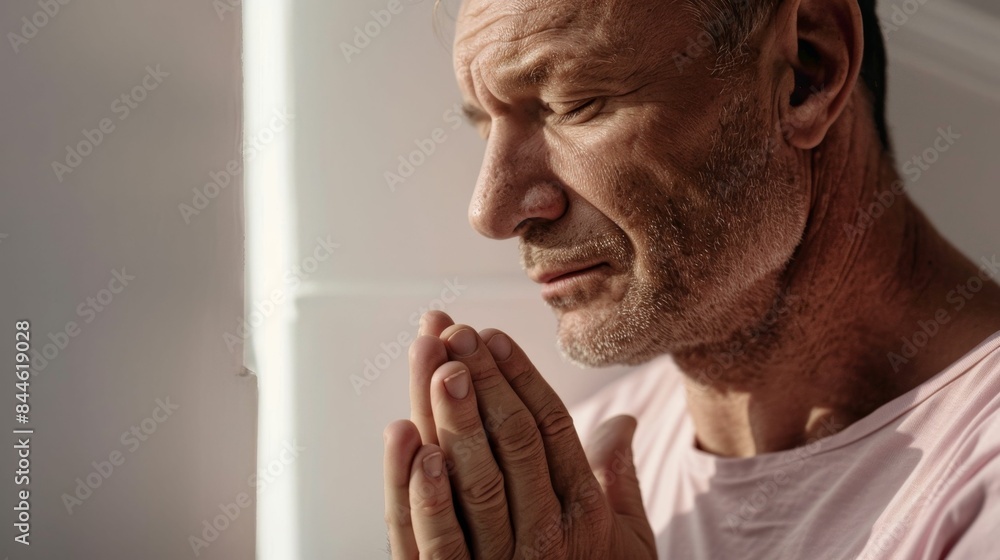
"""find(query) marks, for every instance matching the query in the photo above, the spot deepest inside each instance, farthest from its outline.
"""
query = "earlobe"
(829, 46)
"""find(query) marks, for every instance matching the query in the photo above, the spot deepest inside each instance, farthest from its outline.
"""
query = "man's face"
(605, 148)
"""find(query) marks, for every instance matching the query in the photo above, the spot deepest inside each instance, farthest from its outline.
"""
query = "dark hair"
(746, 16)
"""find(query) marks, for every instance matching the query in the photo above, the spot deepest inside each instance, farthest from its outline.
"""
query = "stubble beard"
(665, 307)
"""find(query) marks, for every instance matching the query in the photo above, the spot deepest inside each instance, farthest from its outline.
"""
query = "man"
(706, 185)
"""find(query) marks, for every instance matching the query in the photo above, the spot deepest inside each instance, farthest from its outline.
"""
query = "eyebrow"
(599, 74)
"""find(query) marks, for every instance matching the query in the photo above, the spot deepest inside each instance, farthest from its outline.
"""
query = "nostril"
(504, 204)
(523, 225)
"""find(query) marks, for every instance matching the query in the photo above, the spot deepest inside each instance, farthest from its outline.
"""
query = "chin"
(601, 334)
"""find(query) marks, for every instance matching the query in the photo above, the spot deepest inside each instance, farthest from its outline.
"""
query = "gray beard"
(663, 313)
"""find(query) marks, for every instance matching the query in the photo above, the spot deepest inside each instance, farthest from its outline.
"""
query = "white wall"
(161, 336)
(399, 247)
(398, 250)
(945, 72)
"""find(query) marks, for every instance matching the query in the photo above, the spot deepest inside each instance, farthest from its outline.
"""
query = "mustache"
(544, 249)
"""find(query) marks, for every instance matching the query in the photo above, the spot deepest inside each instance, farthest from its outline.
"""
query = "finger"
(510, 427)
(427, 353)
(474, 473)
(564, 452)
(610, 455)
(434, 321)
(435, 525)
(401, 443)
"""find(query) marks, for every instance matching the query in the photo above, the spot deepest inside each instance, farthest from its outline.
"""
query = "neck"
(841, 338)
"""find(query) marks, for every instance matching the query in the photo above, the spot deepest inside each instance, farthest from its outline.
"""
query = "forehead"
(527, 42)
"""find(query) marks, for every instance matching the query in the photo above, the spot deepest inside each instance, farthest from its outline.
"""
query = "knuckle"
(517, 436)
(469, 425)
(430, 502)
(555, 422)
(449, 546)
(585, 498)
(486, 492)
(487, 379)
(510, 426)
(468, 449)
(398, 516)
(525, 376)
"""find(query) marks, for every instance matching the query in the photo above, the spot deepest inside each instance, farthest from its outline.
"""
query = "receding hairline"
(746, 17)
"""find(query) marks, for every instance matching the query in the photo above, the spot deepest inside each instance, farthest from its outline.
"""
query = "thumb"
(610, 455)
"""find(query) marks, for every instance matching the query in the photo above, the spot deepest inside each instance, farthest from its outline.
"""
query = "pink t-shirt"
(919, 478)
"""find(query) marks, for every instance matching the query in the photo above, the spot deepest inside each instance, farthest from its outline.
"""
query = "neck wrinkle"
(855, 293)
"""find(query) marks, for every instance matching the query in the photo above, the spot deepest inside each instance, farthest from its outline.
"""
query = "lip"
(547, 276)
(561, 284)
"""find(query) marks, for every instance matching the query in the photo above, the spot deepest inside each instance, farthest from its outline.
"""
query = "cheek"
(667, 195)
(631, 192)
(783, 216)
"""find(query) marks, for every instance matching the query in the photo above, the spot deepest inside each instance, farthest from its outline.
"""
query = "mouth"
(553, 276)
(558, 281)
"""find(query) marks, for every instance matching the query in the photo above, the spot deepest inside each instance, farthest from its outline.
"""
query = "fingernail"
(423, 323)
(499, 346)
(463, 342)
(432, 465)
(458, 385)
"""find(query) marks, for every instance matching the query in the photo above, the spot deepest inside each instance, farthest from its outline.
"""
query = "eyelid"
(569, 106)
(581, 109)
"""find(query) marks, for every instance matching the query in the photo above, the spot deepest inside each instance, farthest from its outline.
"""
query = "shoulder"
(961, 511)
(968, 521)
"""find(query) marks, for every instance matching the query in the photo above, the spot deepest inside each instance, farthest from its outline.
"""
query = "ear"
(821, 46)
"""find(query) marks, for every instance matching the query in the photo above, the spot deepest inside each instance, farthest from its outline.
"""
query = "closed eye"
(578, 114)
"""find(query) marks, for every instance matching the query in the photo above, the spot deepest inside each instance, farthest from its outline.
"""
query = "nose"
(515, 185)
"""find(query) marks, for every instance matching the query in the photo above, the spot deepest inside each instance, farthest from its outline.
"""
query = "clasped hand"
(490, 466)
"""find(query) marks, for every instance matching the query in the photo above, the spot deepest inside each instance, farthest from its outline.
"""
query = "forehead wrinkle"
(503, 37)
(548, 60)
(523, 46)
